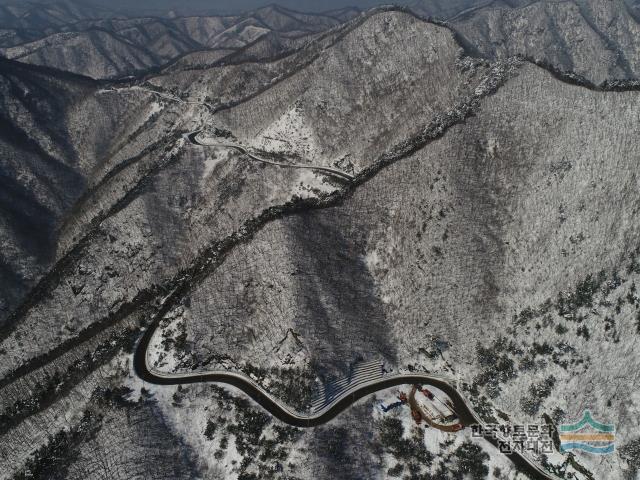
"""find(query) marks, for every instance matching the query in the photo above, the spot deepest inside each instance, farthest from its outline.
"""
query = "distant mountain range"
(75, 36)
(71, 37)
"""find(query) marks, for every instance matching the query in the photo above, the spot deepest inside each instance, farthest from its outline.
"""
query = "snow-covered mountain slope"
(595, 39)
(483, 228)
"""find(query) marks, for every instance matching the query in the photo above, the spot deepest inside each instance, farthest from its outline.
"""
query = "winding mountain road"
(193, 138)
(167, 96)
(348, 397)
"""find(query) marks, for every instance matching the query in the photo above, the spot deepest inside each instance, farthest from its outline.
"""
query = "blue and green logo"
(587, 435)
